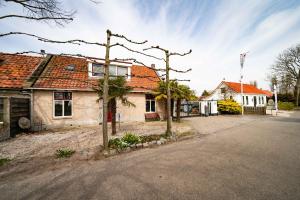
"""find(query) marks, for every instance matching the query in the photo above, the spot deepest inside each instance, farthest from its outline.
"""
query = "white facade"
(224, 92)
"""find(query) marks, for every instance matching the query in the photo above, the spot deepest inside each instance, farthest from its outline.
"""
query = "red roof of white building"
(247, 88)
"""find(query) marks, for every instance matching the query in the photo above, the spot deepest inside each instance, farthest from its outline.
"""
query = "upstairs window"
(97, 70)
(150, 103)
(62, 104)
(223, 90)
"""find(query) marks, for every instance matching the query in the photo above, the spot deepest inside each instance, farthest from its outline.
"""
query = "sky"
(217, 31)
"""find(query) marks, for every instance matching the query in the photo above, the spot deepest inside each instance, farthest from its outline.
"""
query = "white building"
(252, 96)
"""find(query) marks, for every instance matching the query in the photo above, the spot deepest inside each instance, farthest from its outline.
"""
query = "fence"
(255, 110)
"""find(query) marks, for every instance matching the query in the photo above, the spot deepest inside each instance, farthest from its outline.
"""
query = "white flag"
(242, 59)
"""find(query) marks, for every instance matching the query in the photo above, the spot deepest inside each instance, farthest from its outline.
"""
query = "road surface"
(259, 159)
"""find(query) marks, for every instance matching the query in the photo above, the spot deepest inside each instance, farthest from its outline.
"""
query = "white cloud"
(216, 40)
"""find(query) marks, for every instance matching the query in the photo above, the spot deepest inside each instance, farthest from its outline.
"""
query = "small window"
(62, 104)
(150, 103)
(243, 100)
(223, 90)
(259, 101)
(70, 67)
(97, 69)
(247, 100)
(262, 100)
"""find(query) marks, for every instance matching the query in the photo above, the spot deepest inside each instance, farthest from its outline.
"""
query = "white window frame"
(90, 69)
(63, 105)
(150, 100)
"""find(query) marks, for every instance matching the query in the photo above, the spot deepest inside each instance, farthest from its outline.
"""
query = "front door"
(254, 101)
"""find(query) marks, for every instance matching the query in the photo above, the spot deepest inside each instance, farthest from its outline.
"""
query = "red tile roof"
(141, 83)
(247, 89)
(15, 69)
(268, 93)
(57, 76)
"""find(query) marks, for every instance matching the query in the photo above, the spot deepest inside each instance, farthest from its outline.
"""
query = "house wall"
(217, 95)
(86, 110)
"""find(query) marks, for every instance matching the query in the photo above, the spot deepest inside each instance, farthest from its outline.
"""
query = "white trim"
(53, 107)
(150, 105)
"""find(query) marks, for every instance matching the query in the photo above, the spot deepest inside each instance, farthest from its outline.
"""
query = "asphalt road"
(255, 160)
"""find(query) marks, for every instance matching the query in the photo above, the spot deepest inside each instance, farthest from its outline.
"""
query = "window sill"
(63, 117)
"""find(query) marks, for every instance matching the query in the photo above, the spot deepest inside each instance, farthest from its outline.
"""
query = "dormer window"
(97, 70)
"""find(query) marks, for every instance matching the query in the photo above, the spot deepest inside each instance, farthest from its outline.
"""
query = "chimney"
(153, 66)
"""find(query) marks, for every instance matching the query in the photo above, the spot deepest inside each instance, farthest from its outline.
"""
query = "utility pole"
(275, 94)
(298, 89)
(105, 92)
(242, 60)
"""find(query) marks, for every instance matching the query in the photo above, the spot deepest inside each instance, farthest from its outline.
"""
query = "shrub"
(64, 153)
(130, 138)
(117, 143)
(4, 160)
(149, 138)
(229, 107)
(285, 105)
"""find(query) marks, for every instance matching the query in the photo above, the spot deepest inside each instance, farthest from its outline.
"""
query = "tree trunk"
(178, 103)
(113, 104)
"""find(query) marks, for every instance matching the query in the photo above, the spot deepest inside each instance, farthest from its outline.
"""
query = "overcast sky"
(216, 31)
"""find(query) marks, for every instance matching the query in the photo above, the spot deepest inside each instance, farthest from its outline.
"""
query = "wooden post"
(105, 93)
(169, 125)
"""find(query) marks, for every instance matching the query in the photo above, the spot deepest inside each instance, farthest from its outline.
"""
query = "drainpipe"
(31, 110)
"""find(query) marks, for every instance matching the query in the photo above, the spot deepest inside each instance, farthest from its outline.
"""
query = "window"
(247, 100)
(262, 100)
(150, 103)
(243, 100)
(223, 90)
(259, 101)
(97, 69)
(122, 71)
(62, 104)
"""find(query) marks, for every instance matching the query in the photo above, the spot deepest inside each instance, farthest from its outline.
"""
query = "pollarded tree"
(181, 92)
(117, 91)
(178, 93)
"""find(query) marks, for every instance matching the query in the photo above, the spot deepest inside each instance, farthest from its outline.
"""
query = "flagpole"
(242, 60)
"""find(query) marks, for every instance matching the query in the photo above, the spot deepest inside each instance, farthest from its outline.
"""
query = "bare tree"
(286, 68)
(41, 10)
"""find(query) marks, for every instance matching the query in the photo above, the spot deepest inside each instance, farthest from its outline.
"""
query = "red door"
(109, 117)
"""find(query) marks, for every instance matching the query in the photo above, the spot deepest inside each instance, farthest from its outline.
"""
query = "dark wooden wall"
(19, 107)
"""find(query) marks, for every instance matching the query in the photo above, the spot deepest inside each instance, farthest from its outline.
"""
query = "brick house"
(60, 89)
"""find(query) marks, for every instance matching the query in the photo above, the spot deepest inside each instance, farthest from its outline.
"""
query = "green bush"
(131, 139)
(64, 153)
(229, 107)
(117, 143)
(285, 105)
(4, 160)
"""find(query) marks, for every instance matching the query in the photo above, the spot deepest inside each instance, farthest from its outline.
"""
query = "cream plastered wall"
(86, 110)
